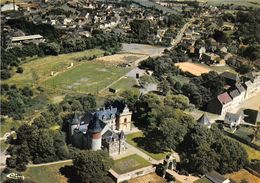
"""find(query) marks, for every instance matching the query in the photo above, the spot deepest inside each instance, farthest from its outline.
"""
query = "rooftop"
(224, 98)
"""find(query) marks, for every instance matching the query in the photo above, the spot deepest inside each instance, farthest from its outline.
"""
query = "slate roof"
(232, 117)
(234, 93)
(239, 87)
(229, 75)
(224, 98)
(215, 177)
(204, 120)
(94, 125)
(75, 120)
(106, 114)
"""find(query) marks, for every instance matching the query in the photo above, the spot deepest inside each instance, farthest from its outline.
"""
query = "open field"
(221, 69)
(151, 178)
(131, 140)
(126, 83)
(88, 77)
(43, 174)
(142, 49)
(192, 68)
(129, 163)
(120, 58)
(243, 174)
(44, 66)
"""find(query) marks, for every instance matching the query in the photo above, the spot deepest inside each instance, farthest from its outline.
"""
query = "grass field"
(44, 66)
(86, 78)
(126, 83)
(49, 174)
(129, 163)
(131, 140)
(221, 69)
(243, 174)
(120, 58)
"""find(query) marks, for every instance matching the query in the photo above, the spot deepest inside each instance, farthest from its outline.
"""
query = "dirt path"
(51, 163)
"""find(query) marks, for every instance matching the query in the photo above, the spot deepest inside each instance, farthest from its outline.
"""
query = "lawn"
(45, 65)
(221, 69)
(181, 79)
(243, 174)
(250, 3)
(126, 83)
(88, 77)
(131, 140)
(43, 174)
(129, 163)
(7, 124)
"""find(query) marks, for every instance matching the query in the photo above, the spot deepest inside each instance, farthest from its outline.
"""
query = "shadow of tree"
(70, 173)
(146, 144)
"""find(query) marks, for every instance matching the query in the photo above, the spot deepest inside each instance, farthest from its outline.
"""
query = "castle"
(103, 129)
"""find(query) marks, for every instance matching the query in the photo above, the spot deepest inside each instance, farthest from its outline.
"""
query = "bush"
(19, 70)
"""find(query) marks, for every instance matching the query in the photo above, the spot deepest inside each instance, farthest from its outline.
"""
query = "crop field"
(193, 68)
(88, 77)
(44, 66)
(129, 163)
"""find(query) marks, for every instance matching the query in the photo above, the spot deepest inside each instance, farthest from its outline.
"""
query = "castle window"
(125, 120)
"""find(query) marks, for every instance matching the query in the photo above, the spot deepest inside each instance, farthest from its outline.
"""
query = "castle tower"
(121, 142)
(124, 120)
(94, 130)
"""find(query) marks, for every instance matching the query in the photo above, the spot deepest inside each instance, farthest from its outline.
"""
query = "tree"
(92, 166)
(220, 36)
(164, 87)
(177, 101)
(141, 28)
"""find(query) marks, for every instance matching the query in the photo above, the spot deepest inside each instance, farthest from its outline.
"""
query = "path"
(51, 163)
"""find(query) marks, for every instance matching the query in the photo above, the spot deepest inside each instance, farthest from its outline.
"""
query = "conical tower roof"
(75, 120)
(94, 125)
(204, 120)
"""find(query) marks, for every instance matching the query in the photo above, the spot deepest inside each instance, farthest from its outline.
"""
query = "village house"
(252, 85)
(220, 105)
(233, 120)
(235, 95)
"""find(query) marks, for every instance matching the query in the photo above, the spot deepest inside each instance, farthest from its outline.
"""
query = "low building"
(233, 120)
(215, 177)
(15, 41)
(235, 95)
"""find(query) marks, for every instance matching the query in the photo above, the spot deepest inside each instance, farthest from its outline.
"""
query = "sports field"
(193, 68)
(89, 77)
(43, 67)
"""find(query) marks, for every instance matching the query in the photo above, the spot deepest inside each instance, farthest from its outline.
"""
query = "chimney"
(14, 4)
